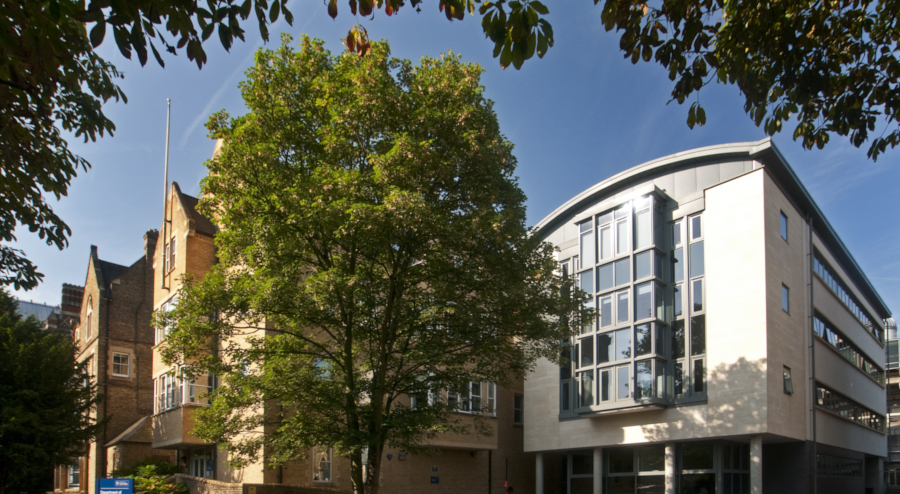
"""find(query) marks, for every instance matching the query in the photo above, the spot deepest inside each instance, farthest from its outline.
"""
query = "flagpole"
(165, 191)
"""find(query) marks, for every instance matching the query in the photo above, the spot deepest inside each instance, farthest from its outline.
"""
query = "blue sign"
(435, 480)
(115, 486)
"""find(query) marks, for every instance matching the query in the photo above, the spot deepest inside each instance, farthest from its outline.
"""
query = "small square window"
(784, 221)
(786, 298)
(121, 364)
(788, 383)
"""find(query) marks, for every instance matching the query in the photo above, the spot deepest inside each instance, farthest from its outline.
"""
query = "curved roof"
(764, 152)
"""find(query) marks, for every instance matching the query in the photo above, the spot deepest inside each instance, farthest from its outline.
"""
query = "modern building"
(114, 335)
(892, 466)
(738, 347)
(464, 463)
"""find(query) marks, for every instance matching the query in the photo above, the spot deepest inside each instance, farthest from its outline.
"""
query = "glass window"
(698, 483)
(475, 395)
(623, 344)
(623, 272)
(643, 265)
(606, 277)
(679, 380)
(622, 387)
(622, 236)
(621, 461)
(642, 229)
(696, 231)
(784, 224)
(587, 351)
(606, 242)
(659, 301)
(606, 316)
(676, 233)
(587, 325)
(678, 265)
(322, 464)
(582, 463)
(696, 259)
(587, 281)
(587, 388)
(697, 456)
(678, 339)
(565, 370)
(643, 379)
(698, 335)
(678, 300)
(121, 364)
(652, 459)
(605, 347)
(605, 385)
(660, 379)
(622, 307)
(643, 344)
(699, 376)
(643, 301)
(75, 472)
(788, 383)
(587, 248)
(785, 298)
(697, 296)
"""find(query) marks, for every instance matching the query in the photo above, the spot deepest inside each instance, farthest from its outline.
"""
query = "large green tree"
(372, 246)
(46, 400)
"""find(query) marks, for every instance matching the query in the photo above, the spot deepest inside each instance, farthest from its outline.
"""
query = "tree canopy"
(372, 247)
(46, 402)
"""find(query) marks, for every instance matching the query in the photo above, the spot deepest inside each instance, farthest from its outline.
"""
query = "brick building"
(113, 333)
(463, 464)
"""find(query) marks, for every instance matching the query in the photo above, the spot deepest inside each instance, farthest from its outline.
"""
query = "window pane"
(587, 249)
(621, 461)
(783, 226)
(604, 219)
(587, 325)
(660, 380)
(605, 312)
(623, 344)
(605, 385)
(565, 396)
(785, 298)
(679, 380)
(699, 376)
(652, 459)
(676, 233)
(698, 483)
(678, 339)
(606, 242)
(606, 276)
(678, 265)
(587, 281)
(642, 342)
(585, 226)
(651, 484)
(698, 335)
(622, 236)
(697, 259)
(642, 264)
(643, 301)
(697, 456)
(659, 301)
(697, 297)
(678, 300)
(622, 387)
(565, 370)
(658, 266)
(622, 307)
(587, 388)
(623, 272)
(605, 348)
(696, 232)
(623, 211)
(587, 351)
(643, 379)
(619, 485)
(642, 229)
(582, 463)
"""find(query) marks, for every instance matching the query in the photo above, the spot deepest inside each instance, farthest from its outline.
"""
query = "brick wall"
(205, 486)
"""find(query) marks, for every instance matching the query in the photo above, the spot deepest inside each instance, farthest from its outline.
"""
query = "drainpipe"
(815, 457)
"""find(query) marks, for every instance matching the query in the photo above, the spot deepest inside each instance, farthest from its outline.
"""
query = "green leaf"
(539, 7)
(506, 55)
(98, 32)
(274, 11)
(225, 37)
(541, 45)
(531, 45)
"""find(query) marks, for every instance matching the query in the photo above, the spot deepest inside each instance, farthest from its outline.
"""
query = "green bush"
(163, 467)
(153, 478)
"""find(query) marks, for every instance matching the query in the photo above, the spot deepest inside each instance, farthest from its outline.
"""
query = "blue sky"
(581, 114)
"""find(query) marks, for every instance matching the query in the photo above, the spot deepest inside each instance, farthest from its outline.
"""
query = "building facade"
(464, 463)
(114, 335)
(737, 347)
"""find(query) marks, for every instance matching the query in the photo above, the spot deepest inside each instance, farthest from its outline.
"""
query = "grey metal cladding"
(727, 171)
(685, 182)
(707, 176)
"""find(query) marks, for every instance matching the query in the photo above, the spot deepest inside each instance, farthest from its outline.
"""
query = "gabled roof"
(200, 223)
(110, 270)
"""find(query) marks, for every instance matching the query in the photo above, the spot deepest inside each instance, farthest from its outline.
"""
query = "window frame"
(518, 409)
(329, 460)
(788, 380)
(783, 231)
(127, 364)
(90, 316)
(785, 298)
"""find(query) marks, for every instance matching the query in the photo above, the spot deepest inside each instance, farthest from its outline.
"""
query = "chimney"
(150, 239)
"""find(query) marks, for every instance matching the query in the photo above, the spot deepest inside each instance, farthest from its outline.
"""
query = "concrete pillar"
(539, 473)
(598, 470)
(671, 487)
(756, 473)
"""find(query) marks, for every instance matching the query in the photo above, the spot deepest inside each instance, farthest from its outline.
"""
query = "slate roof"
(110, 270)
(39, 311)
(202, 224)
